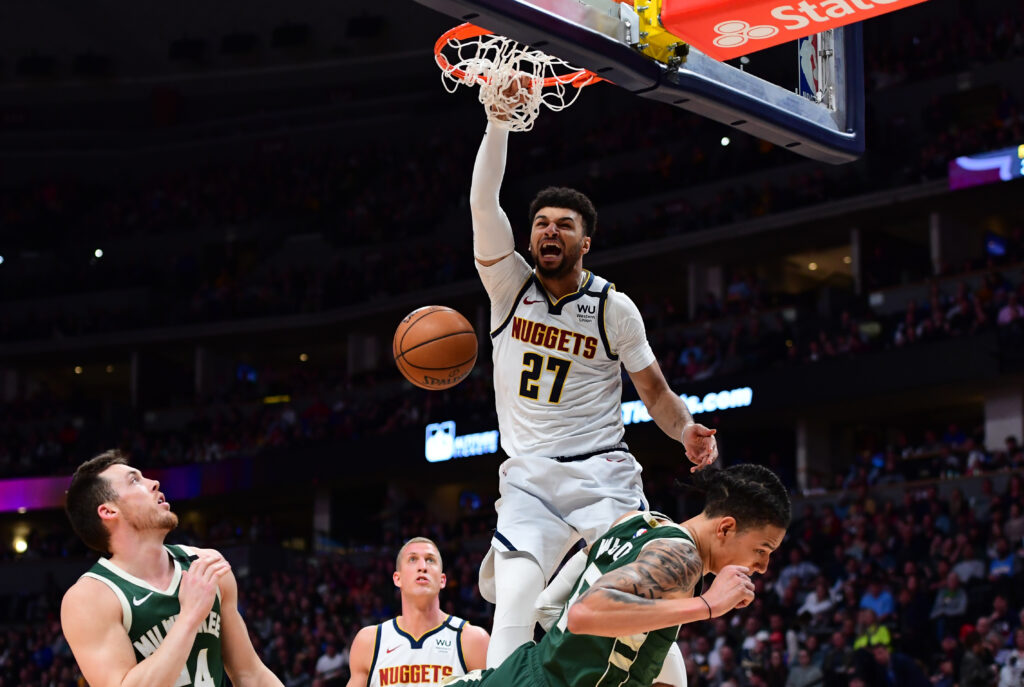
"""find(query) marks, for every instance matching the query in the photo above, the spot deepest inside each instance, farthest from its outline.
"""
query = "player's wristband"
(710, 614)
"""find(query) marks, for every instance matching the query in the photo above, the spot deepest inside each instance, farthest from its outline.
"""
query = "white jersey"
(401, 659)
(563, 353)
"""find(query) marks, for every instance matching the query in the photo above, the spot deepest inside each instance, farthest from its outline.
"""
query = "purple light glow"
(185, 482)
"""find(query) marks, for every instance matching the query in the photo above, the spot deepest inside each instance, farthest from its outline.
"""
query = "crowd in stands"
(939, 47)
(744, 331)
(865, 592)
(758, 334)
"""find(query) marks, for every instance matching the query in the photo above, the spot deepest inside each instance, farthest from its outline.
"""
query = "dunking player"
(638, 587)
(424, 645)
(151, 615)
(560, 334)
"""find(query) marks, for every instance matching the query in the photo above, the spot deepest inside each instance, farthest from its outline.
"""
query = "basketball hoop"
(502, 69)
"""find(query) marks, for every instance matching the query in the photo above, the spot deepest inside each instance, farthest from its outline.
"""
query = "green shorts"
(518, 670)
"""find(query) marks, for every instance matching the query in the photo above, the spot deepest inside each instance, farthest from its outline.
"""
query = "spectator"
(894, 669)
(838, 661)
(878, 599)
(870, 631)
(1003, 563)
(758, 677)
(946, 675)
(976, 668)
(969, 567)
(977, 460)
(1012, 672)
(1014, 452)
(1013, 528)
(1002, 619)
(728, 669)
(912, 612)
(982, 503)
(804, 673)
(297, 675)
(330, 666)
(776, 673)
(798, 569)
(950, 606)
(818, 602)
(1012, 313)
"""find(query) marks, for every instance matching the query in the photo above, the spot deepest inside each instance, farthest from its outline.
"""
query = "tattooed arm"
(650, 593)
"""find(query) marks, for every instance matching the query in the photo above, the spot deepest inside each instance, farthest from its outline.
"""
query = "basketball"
(434, 347)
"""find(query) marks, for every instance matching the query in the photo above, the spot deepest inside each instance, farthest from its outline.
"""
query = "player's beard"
(570, 256)
(160, 520)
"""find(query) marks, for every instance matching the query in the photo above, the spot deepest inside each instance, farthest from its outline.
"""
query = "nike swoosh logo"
(139, 602)
(527, 301)
(393, 648)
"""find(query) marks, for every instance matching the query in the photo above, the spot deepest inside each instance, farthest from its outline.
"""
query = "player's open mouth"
(550, 249)
(161, 501)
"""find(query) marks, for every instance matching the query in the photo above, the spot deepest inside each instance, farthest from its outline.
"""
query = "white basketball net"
(498, 65)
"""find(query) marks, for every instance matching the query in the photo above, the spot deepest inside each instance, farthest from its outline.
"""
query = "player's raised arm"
(648, 594)
(492, 232)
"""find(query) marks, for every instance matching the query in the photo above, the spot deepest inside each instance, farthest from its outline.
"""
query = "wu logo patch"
(444, 645)
(586, 313)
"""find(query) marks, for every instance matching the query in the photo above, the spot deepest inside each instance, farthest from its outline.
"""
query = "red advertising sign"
(725, 29)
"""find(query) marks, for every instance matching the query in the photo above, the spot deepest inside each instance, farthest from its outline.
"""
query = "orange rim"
(577, 79)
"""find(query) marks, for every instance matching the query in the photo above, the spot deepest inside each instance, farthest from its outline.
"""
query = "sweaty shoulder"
(627, 335)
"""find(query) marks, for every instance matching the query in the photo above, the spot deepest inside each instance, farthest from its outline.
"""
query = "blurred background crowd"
(204, 250)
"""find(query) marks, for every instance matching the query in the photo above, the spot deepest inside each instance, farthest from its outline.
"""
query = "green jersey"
(148, 613)
(568, 659)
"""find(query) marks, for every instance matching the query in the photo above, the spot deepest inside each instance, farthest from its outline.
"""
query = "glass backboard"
(823, 122)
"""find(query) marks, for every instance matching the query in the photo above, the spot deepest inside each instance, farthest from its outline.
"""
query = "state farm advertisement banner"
(728, 29)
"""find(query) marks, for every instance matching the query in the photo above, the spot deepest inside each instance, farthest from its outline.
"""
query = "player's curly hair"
(87, 491)
(562, 197)
(752, 494)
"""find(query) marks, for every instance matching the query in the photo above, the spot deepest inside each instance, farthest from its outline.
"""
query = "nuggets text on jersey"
(553, 338)
(413, 674)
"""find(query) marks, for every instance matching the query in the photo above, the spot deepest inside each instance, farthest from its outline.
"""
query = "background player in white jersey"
(424, 645)
(181, 626)
(559, 335)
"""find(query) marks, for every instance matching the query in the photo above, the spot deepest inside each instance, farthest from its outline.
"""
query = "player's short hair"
(752, 494)
(87, 491)
(418, 540)
(562, 197)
